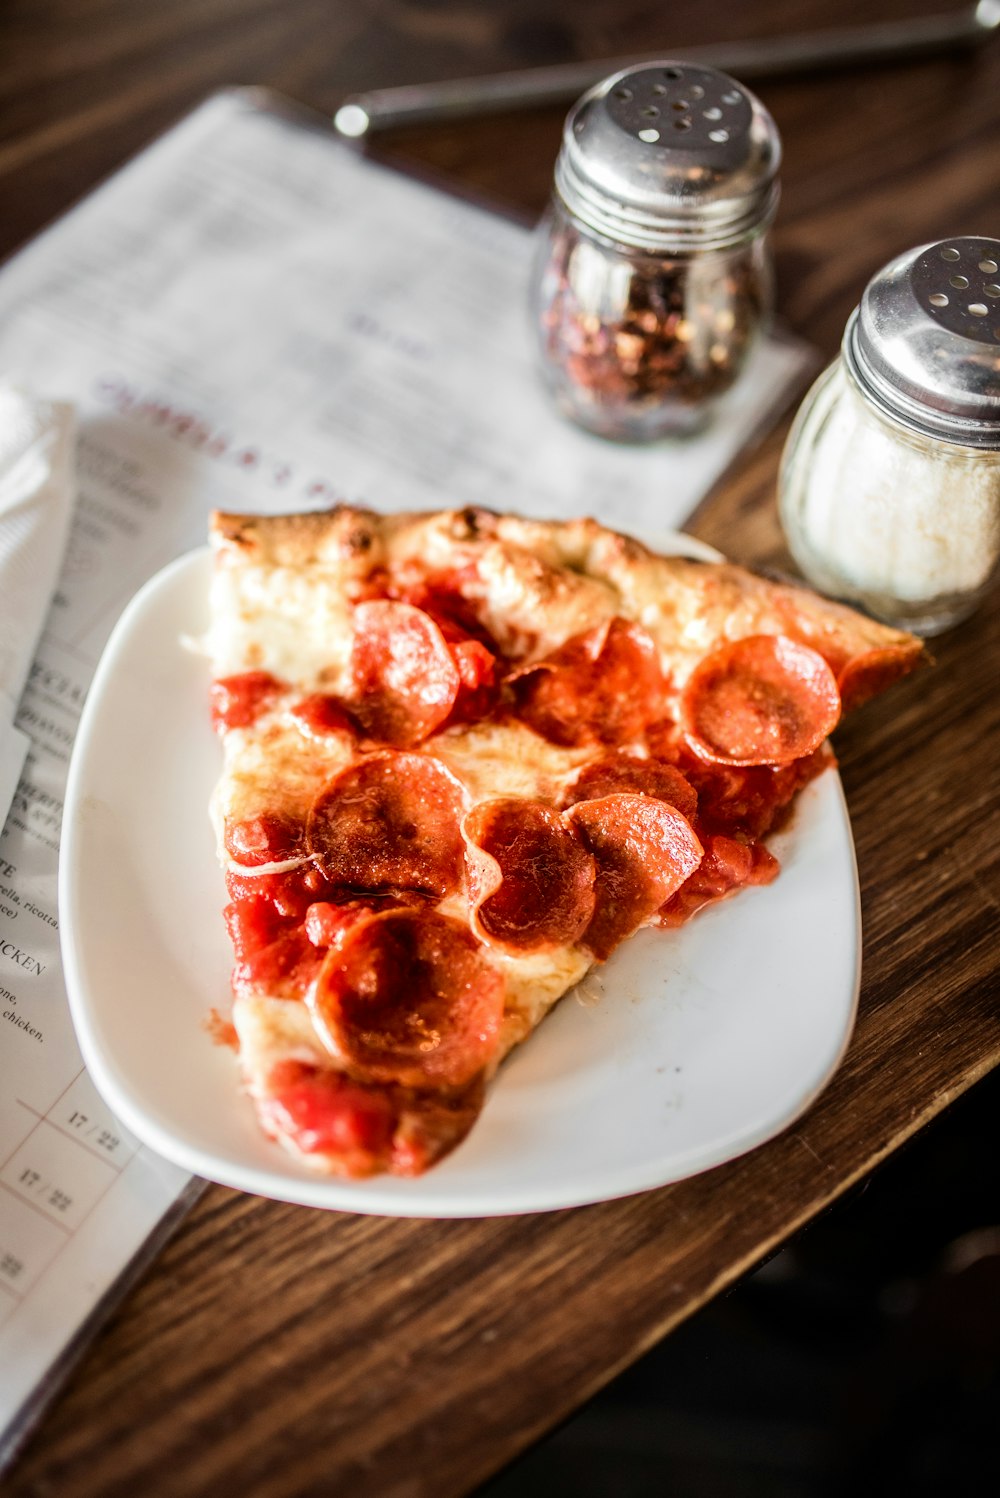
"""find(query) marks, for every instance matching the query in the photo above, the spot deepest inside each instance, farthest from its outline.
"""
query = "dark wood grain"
(273, 1351)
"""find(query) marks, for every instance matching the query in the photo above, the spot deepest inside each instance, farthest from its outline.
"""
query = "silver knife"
(361, 114)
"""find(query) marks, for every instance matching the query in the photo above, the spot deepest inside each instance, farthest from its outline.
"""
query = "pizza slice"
(465, 757)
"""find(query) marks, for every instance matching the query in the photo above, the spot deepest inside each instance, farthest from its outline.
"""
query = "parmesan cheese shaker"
(653, 277)
(890, 479)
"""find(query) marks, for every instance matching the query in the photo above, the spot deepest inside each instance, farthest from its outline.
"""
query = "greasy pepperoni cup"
(403, 676)
(409, 997)
(644, 851)
(762, 700)
(601, 687)
(872, 672)
(531, 881)
(628, 773)
(389, 822)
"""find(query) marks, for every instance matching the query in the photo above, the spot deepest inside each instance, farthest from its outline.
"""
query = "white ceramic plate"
(707, 1040)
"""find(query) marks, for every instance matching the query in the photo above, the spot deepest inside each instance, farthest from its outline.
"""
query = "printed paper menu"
(250, 316)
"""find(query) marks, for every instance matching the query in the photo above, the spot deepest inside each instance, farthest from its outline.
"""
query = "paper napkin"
(37, 490)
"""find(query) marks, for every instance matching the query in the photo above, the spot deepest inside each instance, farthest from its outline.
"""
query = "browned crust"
(559, 562)
(302, 540)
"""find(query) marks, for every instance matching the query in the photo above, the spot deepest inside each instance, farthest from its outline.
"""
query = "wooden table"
(276, 1351)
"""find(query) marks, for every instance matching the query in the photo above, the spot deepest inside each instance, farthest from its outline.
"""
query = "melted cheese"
(294, 624)
(493, 760)
(275, 767)
(535, 981)
(272, 1030)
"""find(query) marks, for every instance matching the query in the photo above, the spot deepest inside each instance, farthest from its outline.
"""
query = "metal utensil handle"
(770, 57)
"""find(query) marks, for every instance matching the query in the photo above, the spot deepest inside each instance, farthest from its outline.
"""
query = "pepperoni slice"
(640, 777)
(531, 881)
(403, 675)
(867, 675)
(644, 851)
(409, 997)
(762, 700)
(601, 687)
(389, 822)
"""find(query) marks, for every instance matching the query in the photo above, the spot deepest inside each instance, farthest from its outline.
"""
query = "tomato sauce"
(321, 713)
(268, 838)
(238, 701)
(326, 1113)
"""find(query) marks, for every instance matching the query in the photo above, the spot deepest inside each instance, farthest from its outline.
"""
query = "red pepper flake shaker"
(653, 278)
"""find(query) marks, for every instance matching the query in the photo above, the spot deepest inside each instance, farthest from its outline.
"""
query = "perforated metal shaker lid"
(669, 156)
(924, 344)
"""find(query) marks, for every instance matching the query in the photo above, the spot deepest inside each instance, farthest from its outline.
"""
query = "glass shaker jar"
(890, 479)
(653, 276)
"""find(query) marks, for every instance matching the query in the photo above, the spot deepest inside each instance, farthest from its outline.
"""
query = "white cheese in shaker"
(891, 521)
(891, 477)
